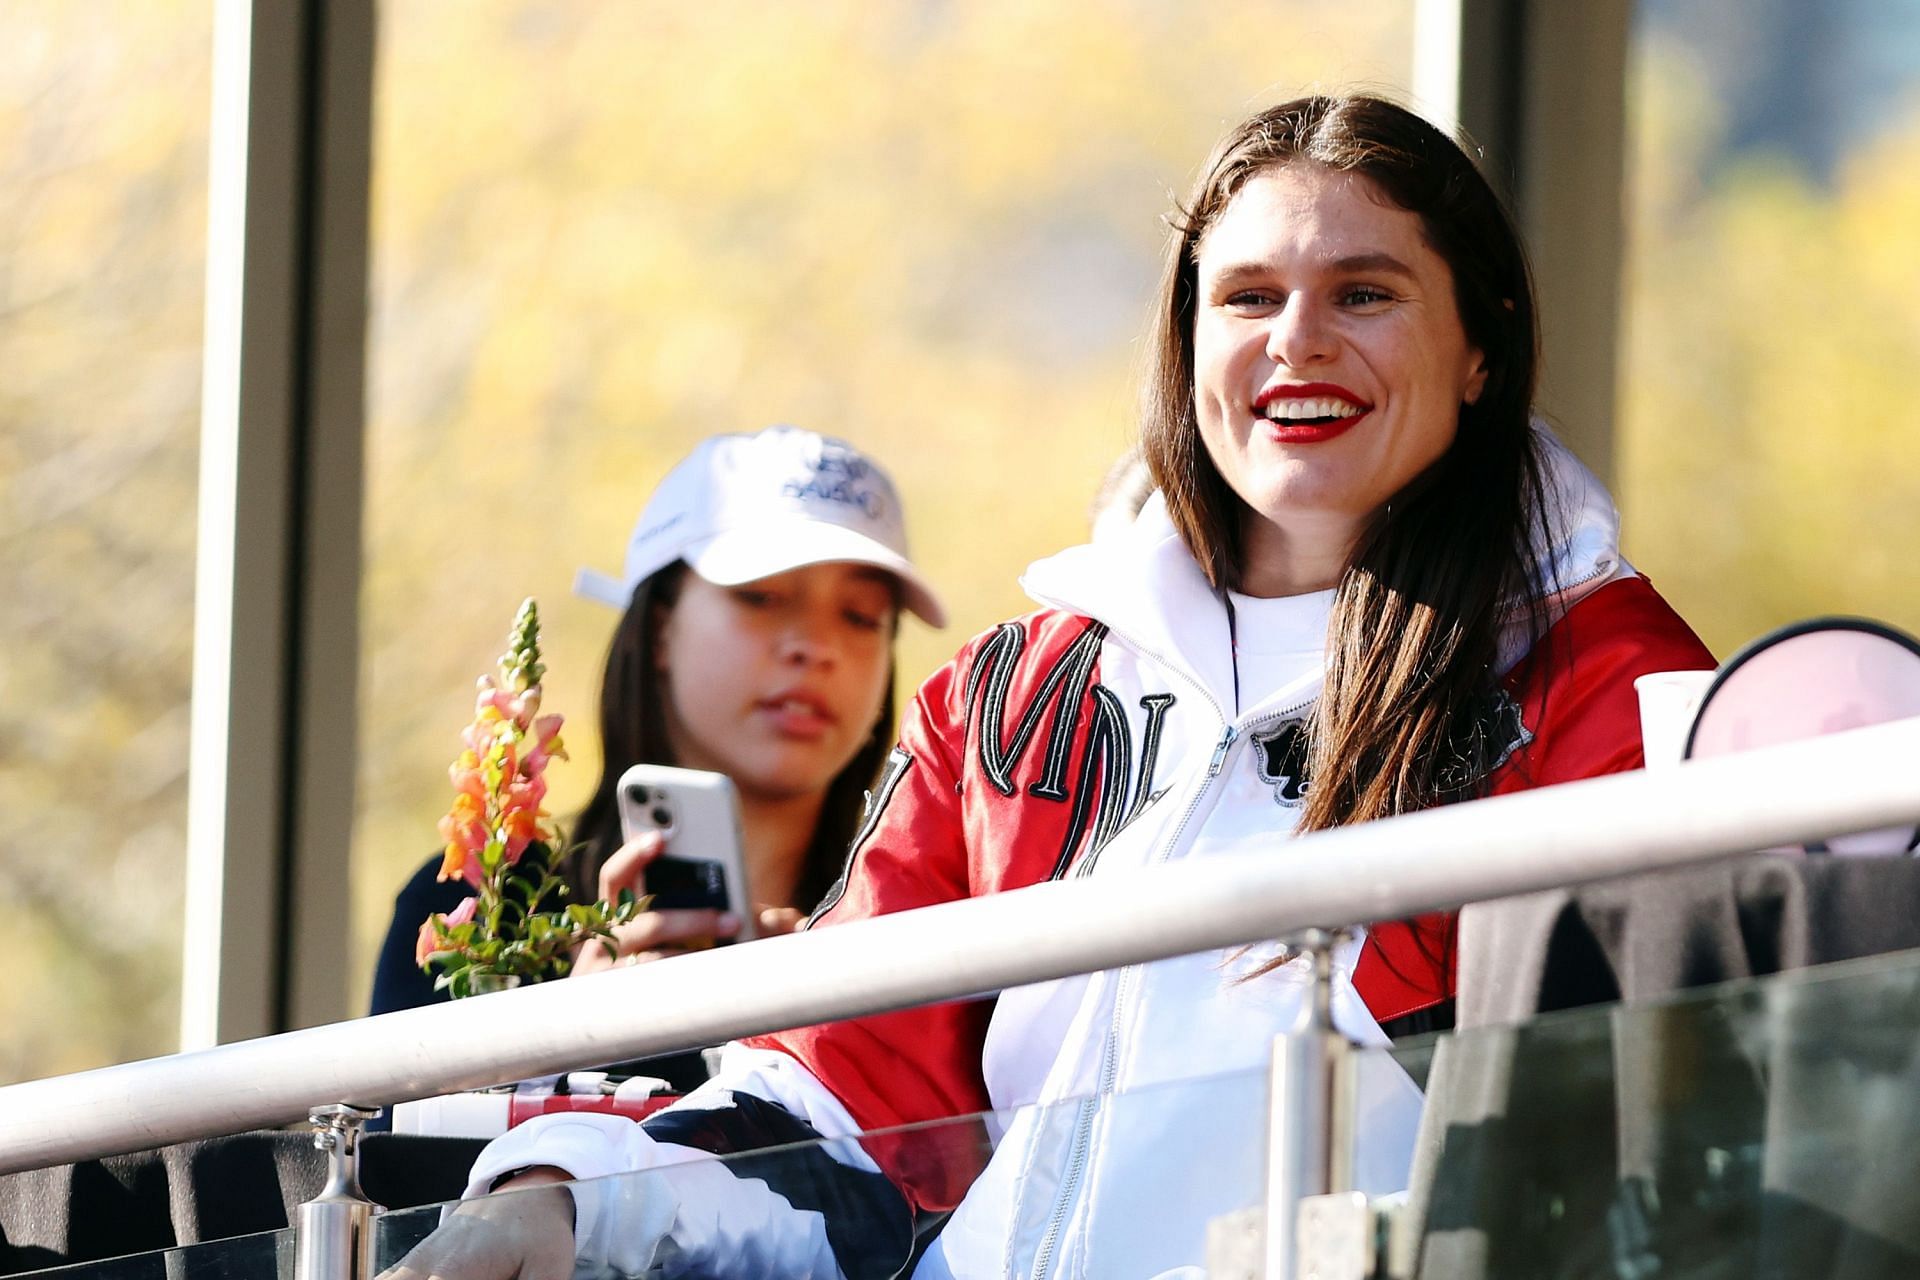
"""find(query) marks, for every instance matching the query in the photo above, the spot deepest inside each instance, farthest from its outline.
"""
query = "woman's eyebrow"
(1235, 273)
(1373, 262)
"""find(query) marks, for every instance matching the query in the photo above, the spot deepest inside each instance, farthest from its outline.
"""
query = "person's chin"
(796, 769)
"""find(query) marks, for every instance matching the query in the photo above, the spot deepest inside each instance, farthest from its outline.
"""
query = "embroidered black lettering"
(1105, 795)
(1155, 705)
(1079, 660)
(986, 695)
(1104, 770)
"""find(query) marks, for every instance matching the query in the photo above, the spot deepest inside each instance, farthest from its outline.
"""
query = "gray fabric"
(1759, 1129)
(1644, 936)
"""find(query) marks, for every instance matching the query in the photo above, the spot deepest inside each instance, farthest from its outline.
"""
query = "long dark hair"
(1413, 640)
(633, 730)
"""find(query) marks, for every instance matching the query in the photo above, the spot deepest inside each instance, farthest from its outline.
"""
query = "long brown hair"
(633, 730)
(1413, 640)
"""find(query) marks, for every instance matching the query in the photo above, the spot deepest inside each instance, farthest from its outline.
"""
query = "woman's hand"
(528, 1234)
(774, 921)
(653, 935)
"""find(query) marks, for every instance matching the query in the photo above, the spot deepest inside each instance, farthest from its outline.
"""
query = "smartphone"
(699, 815)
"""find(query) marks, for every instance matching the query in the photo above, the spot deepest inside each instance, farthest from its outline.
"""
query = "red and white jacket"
(1100, 732)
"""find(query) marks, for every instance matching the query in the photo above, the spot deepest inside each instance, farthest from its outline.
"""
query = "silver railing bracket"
(334, 1230)
(1237, 1245)
(1336, 1238)
(1310, 1108)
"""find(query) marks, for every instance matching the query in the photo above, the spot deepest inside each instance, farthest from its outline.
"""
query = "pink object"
(1827, 675)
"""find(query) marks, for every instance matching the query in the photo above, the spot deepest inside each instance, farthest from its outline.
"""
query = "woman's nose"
(803, 642)
(1299, 333)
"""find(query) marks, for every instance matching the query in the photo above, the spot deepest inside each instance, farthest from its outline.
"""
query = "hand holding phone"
(698, 815)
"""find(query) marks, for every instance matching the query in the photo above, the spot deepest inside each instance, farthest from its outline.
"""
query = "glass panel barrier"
(267, 1256)
(946, 1155)
(1757, 1128)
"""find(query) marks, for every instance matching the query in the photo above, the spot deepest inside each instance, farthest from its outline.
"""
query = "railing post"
(1310, 1111)
(334, 1232)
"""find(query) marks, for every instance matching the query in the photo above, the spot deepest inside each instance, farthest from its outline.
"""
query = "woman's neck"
(1306, 556)
(777, 832)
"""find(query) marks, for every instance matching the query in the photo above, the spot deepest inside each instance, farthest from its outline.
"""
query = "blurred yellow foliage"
(102, 226)
(1769, 443)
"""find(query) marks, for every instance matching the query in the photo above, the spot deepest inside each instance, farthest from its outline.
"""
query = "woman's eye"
(753, 599)
(1364, 295)
(1248, 299)
(863, 620)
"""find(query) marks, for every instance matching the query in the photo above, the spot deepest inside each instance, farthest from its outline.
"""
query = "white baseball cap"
(744, 507)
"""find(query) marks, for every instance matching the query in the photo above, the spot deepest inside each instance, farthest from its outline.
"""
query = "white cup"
(1668, 701)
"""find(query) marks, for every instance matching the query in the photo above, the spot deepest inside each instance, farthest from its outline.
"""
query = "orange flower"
(520, 827)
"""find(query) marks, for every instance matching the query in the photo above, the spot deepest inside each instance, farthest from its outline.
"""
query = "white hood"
(1149, 591)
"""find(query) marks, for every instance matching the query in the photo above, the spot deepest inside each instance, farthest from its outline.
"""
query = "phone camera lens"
(639, 794)
(662, 816)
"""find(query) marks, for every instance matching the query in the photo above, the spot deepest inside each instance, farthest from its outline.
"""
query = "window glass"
(1769, 440)
(602, 232)
(103, 170)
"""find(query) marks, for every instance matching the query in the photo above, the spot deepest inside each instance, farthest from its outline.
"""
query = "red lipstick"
(1311, 430)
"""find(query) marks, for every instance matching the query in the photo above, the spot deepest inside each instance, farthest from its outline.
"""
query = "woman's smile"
(1307, 413)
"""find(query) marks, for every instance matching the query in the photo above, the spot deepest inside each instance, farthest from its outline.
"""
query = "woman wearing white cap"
(760, 592)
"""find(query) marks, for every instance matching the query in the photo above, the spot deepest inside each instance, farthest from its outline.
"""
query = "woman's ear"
(1476, 377)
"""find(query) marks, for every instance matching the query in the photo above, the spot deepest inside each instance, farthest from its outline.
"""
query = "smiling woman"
(1368, 585)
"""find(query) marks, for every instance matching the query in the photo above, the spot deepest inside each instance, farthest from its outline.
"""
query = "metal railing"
(1573, 834)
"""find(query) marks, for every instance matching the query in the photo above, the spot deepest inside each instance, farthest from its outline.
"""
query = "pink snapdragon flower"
(497, 815)
(429, 940)
(498, 779)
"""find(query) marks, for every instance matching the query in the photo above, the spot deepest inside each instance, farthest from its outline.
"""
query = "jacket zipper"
(1109, 1051)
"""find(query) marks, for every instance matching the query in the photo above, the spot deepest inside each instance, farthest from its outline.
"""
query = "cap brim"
(747, 554)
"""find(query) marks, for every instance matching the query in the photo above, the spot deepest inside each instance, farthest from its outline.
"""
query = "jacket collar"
(1146, 588)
